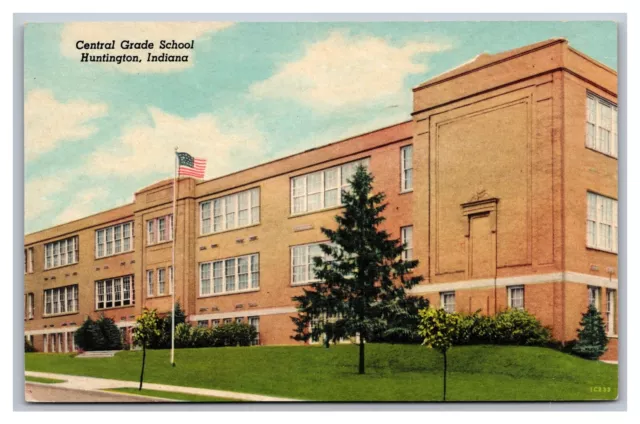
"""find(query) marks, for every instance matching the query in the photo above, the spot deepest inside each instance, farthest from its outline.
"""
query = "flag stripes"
(190, 166)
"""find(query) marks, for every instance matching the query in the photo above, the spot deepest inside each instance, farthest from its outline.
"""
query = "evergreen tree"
(89, 336)
(362, 276)
(110, 333)
(592, 338)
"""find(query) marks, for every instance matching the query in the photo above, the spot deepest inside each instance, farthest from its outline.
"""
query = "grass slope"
(42, 380)
(394, 372)
(169, 395)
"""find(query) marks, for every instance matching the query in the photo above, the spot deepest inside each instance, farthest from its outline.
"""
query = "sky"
(95, 133)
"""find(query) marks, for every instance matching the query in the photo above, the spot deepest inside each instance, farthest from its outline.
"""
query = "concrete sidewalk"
(97, 384)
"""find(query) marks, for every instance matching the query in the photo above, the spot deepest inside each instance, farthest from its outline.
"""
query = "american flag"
(190, 166)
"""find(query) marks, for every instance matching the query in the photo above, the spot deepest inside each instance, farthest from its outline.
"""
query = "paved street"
(51, 393)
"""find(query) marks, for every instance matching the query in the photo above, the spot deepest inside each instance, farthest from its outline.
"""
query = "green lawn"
(42, 380)
(394, 372)
(169, 395)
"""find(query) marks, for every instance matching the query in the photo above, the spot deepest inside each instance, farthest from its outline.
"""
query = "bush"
(592, 338)
(163, 340)
(102, 334)
(28, 347)
(233, 334)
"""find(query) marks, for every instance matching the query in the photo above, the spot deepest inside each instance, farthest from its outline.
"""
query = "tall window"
(114, 240)
(61, 300)
(602, 125)
(255, 323)
(448, 301)
(61, 253)
(230, 275)
(407, 242)
(302, 267)
(28, 260)
(515, 297)
(115, 292)
(160, 229)
(171, 285)
(602, 222)
(161, 280)
(406, 162)
(594, 297)
(322, 189)
(30, 306)
(150, 283)
(611, 312)
(233, 211)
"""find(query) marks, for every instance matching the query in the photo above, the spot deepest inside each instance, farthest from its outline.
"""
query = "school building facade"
(503, 184)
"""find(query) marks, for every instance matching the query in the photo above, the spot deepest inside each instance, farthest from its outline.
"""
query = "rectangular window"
(56, 300)
(255, 323)
(227, 321)
(149, 283)
(302, 266)
(406, 162)
(322, 189)
(448, 302)
(114, 240)
(611, 312)
(171, 284)
(160, 229)
(30, 306)
(28, 260)
(230, 275)
(602, 222)
(515, 297)
(594, 297)
(61, 252)
(233, 211)
(203, 324)
(602, 125)
(161, 281)
(407, 242)
(215, 323)
(114, 292)
(239, 320)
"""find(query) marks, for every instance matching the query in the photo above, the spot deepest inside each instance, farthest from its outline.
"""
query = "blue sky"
(251, 92)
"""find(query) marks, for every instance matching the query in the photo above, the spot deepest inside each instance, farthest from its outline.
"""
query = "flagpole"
(173, 256)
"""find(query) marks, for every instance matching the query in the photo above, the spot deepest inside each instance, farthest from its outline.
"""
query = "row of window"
(114, 240)
(233, 211)
(61, 252)
(160, 230)
(157, 286)
(602, 125)
(61, 300)
(115, 292)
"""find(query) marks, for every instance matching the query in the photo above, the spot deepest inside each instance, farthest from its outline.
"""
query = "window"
(239, 320)
(161, 280)
(406, 162)
(61, 252)
(255, 323)
(203, 324)
(230, 275)
(448, 302)
(594, 297)
(515, 295)
(114, 240)
(602, 222)
(322, 189)
(302, 271)
(233, 211)
(227, 321)
(215, 323)
(602, 125)
(56, 301)
(171, 287)
(318, 323)
(30, 306)
(114, 292)
(28, 260)
(150, 283)
(407, 242)
(160, 229)
(611, 315)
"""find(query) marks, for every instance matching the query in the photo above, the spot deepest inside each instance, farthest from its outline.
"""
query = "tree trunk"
(444, 391)
(144, 357)
(361, 362)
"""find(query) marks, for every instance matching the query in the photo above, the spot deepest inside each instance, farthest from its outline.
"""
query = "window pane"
(230, 275)
(243, 273)
(217, 277)
(255, 271)
(230, 208)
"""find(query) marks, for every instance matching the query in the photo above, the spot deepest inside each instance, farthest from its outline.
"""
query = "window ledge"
(601, 152)
(228, 231)
(597, 249)
(61, 314)
(315, 211)
(228, 293)
(160, 243)
(159, 296)
(115, 307)
(60, 266)
(309, 283)
(406, 191)
(97, 258)
(612, 336)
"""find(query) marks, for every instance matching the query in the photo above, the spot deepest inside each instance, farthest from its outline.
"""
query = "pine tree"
(592, 338)
(362, 276)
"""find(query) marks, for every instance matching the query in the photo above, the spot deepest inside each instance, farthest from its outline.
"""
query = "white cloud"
(40, 195)
(343, 70)
(48, 122)
(148, 148)
(82, 205)
(92, 32)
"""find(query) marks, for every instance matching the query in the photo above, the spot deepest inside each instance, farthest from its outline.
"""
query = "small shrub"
(102, 334)
(183, 335)
(233, 334)
(592, 338)
(28, 347)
